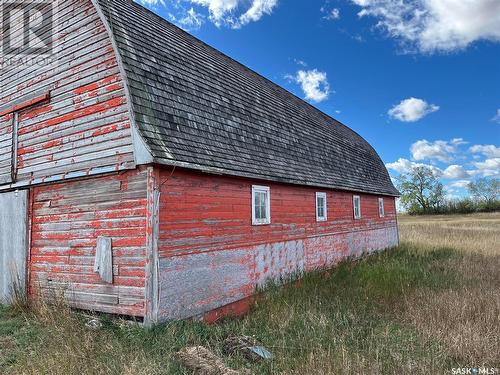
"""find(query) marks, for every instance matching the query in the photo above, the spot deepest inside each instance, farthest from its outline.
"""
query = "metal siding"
(85, 127)
(67, 220)
(13, 242)
(211, 255)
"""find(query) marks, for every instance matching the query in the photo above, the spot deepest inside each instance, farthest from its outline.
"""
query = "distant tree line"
(422, 193)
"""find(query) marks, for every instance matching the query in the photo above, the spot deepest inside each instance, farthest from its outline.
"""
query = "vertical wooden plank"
(103, 264)
(15, 131)
(31, 201)
(6, 149)
(13, 243)
(152, 266)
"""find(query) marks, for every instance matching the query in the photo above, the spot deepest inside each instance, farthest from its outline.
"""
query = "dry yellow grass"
(465, 319)
(477, 234)
(428, 306)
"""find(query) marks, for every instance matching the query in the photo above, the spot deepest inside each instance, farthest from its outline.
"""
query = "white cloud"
(314, 84)
(447, 151)
(430, 26)
(439, 150)
(218, 9)
(462, 184)
(454, 172)
(192, 20)
(458, 141)
(300, 62)
(151, 2)
(258, 9)
(232, 13)
(403, 165)
(491, 165)
(496, 118)
(224, 12)
(411, 110)
(331, 14)
(488, 167)
(489, 151)
(451, 192)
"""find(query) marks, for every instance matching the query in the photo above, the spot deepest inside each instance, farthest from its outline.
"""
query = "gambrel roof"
(198, 108)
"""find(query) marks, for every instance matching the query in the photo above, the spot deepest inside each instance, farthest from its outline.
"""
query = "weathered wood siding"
(5, 149)
(67, 220)
(211, 254)
(84, 128)
(13, 243)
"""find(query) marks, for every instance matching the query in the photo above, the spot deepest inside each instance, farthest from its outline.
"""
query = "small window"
(356, 200)
(321, 213)
(381, 210)
(261, 207)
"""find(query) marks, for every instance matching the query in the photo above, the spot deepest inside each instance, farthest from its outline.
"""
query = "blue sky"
(420, 79)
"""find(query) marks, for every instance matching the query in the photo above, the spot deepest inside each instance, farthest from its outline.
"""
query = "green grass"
(348, 320)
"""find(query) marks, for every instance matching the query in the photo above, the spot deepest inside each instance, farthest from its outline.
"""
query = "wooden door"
(13, 243)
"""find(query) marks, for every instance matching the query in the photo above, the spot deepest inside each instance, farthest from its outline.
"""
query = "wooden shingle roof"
(197, 108)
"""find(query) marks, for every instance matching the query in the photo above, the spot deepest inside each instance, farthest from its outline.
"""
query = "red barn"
(145, 173)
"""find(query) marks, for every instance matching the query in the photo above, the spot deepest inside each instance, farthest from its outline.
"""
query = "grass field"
(426, 307)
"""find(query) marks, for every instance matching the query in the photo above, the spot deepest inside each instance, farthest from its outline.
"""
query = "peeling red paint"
(33, 101)
(68, 218)
(86, 111)
(77, 124)
(235, 309)
(207, 238)
(50, 144)
(105, 130)
(32, 113)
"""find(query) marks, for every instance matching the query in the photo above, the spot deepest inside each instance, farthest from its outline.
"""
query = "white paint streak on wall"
(193, 284)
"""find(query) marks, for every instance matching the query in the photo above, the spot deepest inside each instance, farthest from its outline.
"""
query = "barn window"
(321, 213)
(381, 210)
(261, 207)
(356, 201)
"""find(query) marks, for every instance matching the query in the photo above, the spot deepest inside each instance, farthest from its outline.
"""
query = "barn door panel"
(13, 243)
(6, 133)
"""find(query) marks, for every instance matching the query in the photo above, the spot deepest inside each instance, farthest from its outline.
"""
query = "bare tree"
(485, 189)
(421, 191)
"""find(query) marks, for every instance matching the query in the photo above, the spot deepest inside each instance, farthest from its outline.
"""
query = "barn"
(144, 173)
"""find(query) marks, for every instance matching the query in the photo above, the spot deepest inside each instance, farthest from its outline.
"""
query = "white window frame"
(325, 212)
(356, 198)
(261, 189)
(381, 208)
